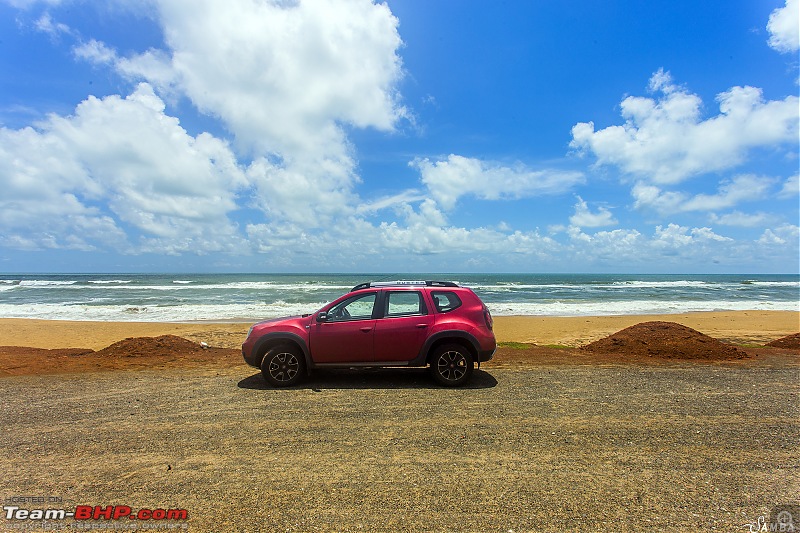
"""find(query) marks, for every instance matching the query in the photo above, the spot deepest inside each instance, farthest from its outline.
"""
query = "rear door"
(403, 327)
(347, 335)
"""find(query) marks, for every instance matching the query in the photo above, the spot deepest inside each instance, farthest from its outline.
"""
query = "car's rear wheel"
(283, 366)
(452, 365)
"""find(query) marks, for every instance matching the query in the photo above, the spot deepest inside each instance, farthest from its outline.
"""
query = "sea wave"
(154, 313)
(666, 284)
(46, 283)
(177, 285)
(633, 307)
(251, 312)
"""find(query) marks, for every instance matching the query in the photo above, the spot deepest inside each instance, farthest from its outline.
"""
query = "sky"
(405, 136)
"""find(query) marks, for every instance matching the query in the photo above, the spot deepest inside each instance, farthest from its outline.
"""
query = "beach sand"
(738, 327)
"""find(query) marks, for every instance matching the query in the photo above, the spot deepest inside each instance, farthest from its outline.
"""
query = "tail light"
(487, 316)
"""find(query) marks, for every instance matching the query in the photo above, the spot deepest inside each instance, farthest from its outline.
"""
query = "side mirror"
(322, 317)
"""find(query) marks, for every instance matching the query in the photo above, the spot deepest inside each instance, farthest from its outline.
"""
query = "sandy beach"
(738, 327)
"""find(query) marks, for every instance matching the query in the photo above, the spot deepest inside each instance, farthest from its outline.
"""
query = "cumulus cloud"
(282, 76)
(619, 245)
(671, 243)
(666, 140)
(676, 236)
(285, 78)
(784, 27)
(457, 176)
(786, 234)
(117, 164)
(584, 217)
(427, 239)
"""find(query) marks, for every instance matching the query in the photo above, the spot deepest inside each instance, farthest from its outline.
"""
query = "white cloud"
(784, 27)
(791, 188)
(744, 220)
(394, 200)
(584, 218)
(303, 195)
(786, 234)
(119, 161)
(667, 141)
(742, 188)
(285, 78)
(25, 4)
(457, 176)
(676, 236)
(46, 24)
(604, 247)
(152, 65)
(421, 238)
(95, 52)
(282, 75)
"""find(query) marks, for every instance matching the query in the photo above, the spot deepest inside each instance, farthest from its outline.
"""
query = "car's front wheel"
(452, 365)
(283, 366)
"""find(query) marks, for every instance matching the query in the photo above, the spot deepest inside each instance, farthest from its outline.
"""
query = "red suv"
(379, 324)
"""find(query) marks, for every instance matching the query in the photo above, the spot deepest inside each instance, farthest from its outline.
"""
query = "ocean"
(252, 297)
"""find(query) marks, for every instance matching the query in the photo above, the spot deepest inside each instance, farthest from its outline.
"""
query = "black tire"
(452, 365)
(283, 366)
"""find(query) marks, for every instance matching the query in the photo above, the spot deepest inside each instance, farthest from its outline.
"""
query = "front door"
(346, 336)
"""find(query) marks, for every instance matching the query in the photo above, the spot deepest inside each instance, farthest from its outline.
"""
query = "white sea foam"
(146, 313)
(773, 283)
(45, 283)
(633, 307)
(251, 312)
(175, 285)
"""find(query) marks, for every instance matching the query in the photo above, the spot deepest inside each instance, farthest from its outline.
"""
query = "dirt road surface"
(608, 447)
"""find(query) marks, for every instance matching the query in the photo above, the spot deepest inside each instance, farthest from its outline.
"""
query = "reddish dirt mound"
(666, 340)
(165, 345)
(789, 341)
(69, 352)
(138, 353)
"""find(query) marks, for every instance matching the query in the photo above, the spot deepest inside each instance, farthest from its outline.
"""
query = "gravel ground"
(555, 448)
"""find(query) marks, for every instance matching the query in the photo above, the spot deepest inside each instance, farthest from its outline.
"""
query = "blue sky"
(406, 136)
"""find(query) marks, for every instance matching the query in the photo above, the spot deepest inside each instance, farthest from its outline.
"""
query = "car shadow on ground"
(379, 378)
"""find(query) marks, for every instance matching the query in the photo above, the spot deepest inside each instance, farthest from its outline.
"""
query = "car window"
(405, 303)
(356, 308)
(445, 301)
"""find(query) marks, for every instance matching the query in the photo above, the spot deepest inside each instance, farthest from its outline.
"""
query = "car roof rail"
(401, 283)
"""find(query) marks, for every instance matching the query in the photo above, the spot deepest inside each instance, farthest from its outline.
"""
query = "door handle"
(366, 329)
(422, 325)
